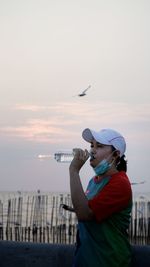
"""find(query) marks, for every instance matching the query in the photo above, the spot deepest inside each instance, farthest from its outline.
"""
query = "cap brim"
(87, 135)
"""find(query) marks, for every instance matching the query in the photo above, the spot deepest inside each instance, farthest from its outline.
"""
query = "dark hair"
(121, 163)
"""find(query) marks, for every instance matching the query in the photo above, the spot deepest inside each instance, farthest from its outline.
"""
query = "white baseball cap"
(106, 137)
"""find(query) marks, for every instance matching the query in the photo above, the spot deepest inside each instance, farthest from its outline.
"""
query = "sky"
(50, 51)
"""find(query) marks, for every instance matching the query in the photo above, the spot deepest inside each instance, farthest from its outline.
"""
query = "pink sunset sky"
(50, 52)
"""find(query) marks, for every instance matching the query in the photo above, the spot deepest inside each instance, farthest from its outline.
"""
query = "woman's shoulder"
(121, 180)
(120, 175)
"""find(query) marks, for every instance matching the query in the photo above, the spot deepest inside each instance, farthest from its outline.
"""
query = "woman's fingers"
(81, 154)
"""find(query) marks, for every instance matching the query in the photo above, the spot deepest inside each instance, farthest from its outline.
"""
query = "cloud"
(63, 121)
(39, 131)
(33, 108)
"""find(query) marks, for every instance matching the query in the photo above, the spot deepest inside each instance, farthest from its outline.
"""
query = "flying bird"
(84, 92)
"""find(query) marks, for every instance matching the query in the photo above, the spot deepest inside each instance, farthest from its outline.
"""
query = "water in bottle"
(60, 156)
(64, 156)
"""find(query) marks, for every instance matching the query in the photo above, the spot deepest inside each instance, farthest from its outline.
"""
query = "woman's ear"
(116, 154)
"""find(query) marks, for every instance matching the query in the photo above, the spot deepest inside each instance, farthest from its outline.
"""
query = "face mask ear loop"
(112, 162)
(108, 158)
(115, 158)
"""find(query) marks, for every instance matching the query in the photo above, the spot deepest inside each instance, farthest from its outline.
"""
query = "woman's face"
(99, 152)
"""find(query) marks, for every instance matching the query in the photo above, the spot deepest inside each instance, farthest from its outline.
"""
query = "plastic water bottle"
(64, 156)
(59, 156)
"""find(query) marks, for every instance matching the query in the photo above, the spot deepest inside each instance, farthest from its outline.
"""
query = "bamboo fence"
(40, 218)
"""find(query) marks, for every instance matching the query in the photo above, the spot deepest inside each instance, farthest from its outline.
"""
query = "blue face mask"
(102, 167)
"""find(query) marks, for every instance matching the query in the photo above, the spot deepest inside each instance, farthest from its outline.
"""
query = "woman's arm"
(79, 199)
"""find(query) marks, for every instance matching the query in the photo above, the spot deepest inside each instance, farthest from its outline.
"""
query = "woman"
(103, 211)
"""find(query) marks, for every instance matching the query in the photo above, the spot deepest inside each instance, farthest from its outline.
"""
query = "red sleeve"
(114, 197)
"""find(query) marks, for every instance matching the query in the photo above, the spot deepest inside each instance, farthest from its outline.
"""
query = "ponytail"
(122, 164)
